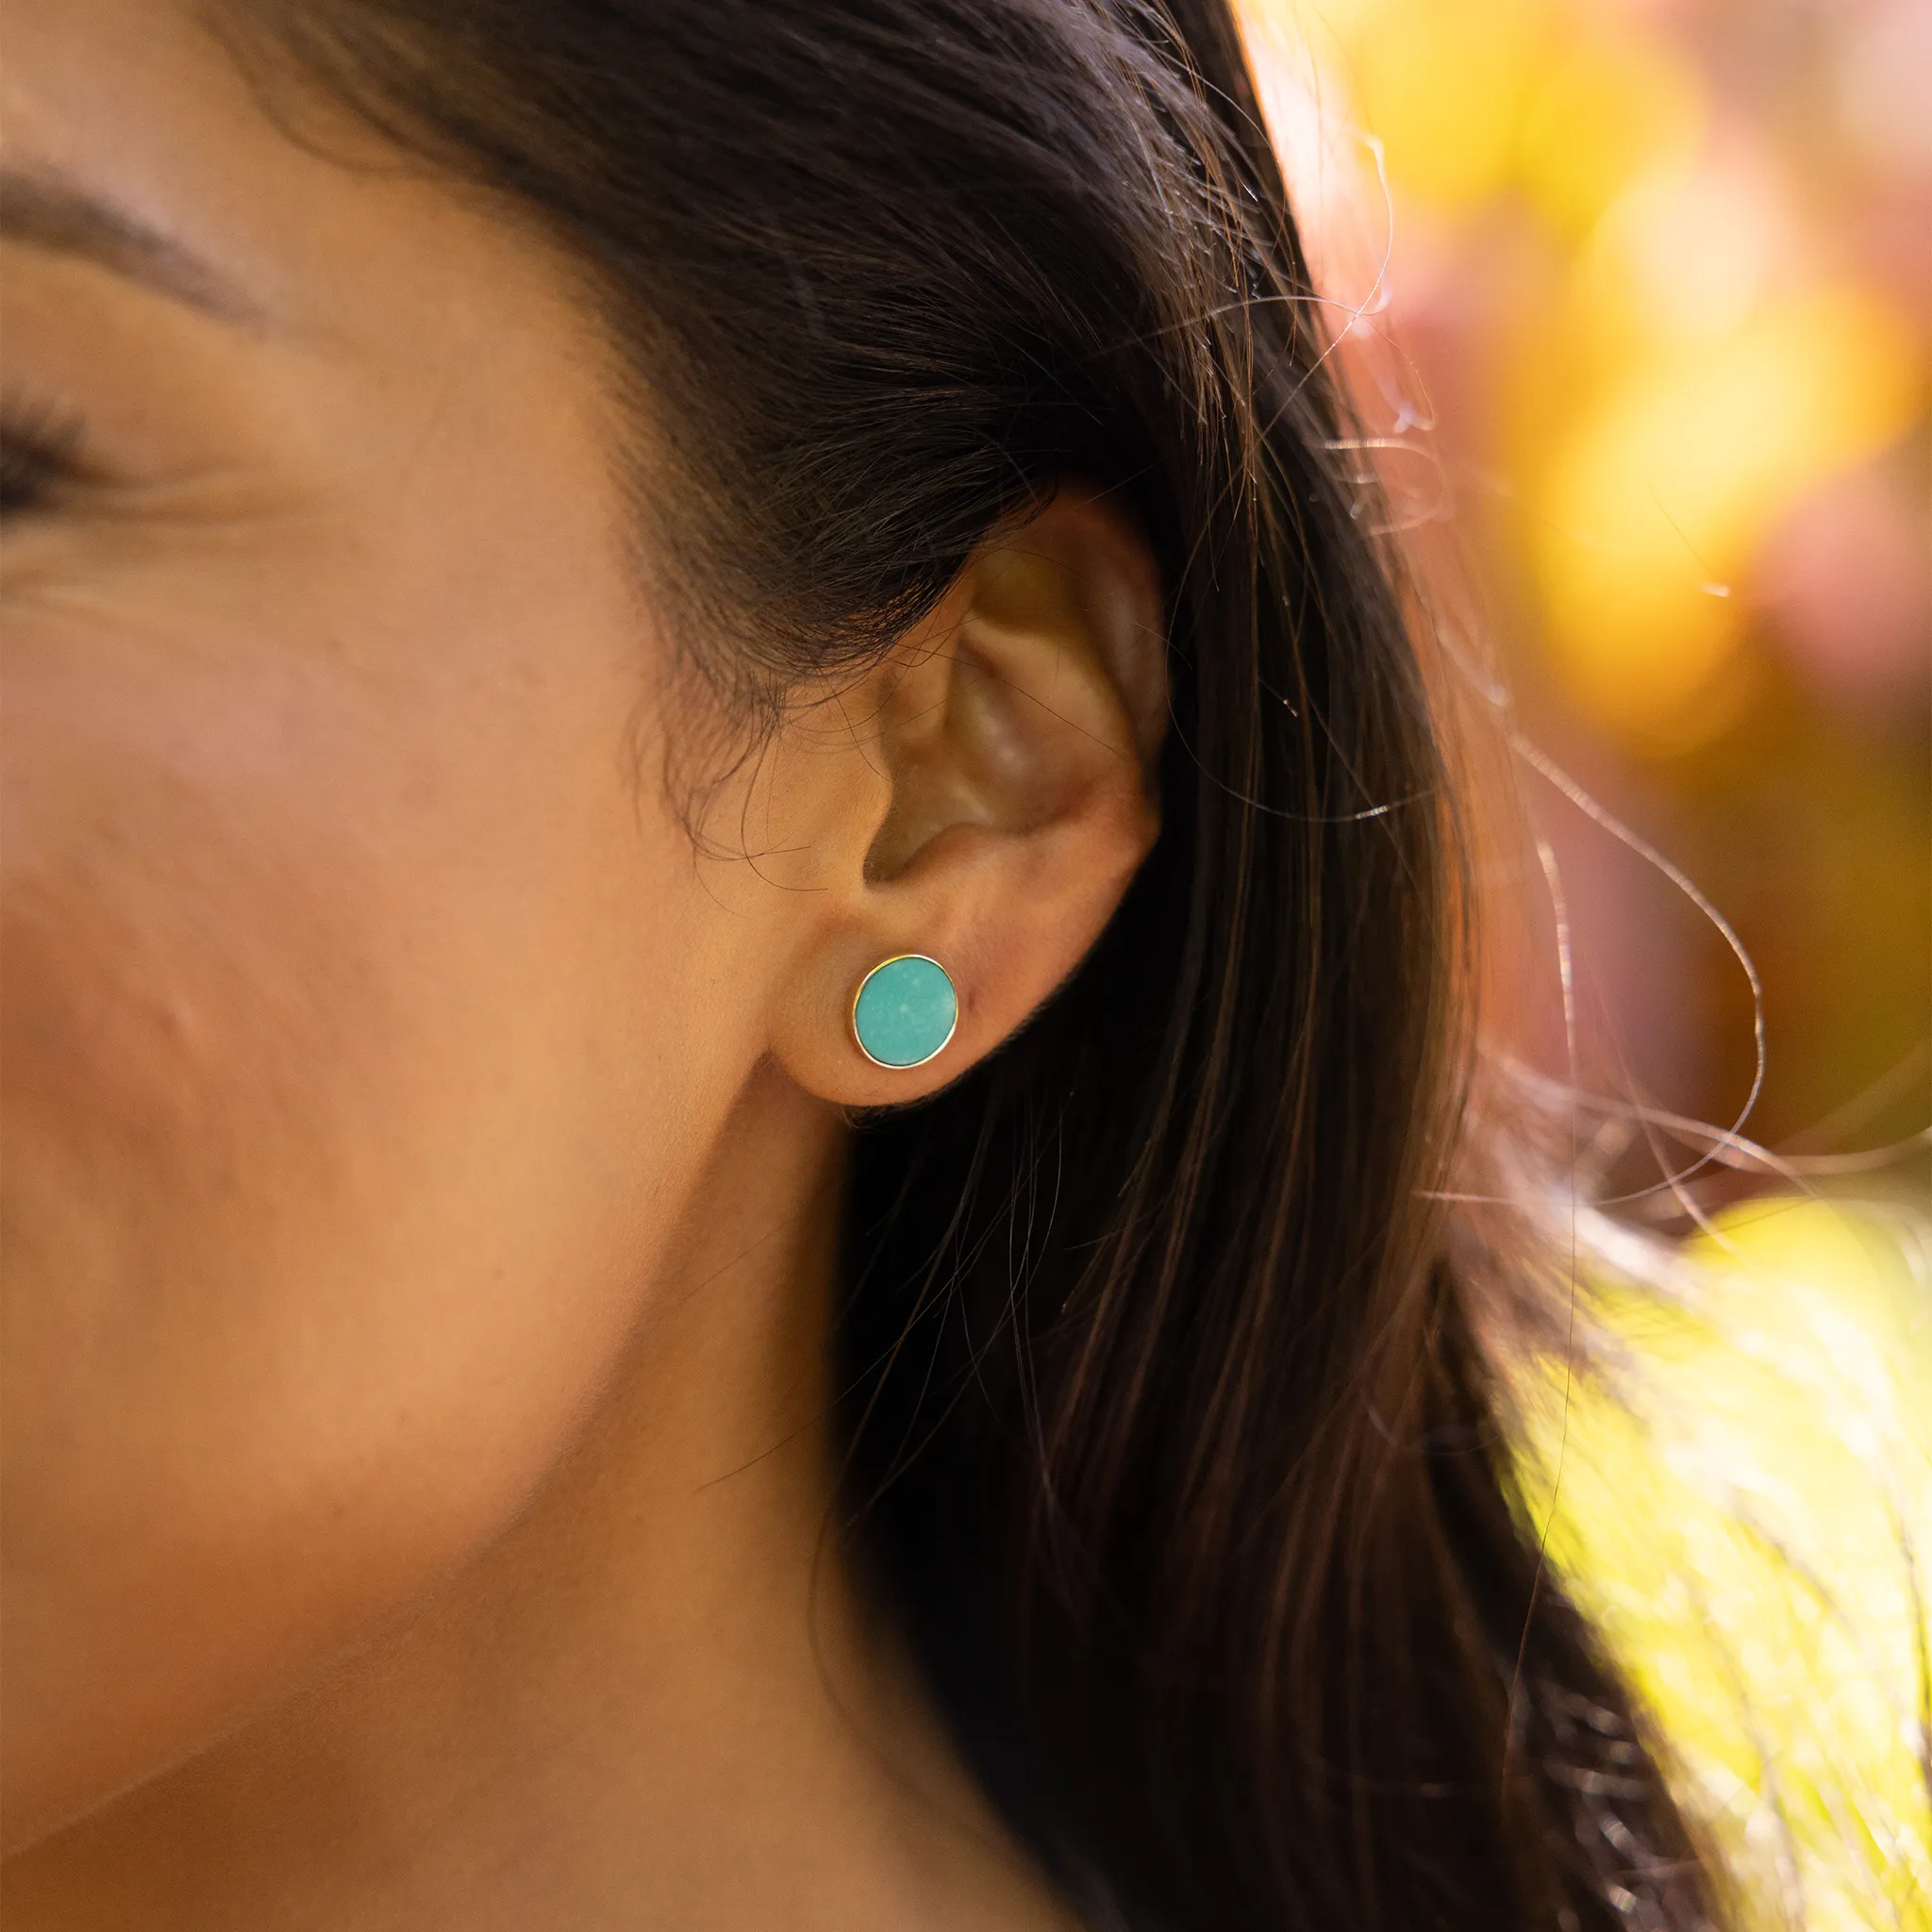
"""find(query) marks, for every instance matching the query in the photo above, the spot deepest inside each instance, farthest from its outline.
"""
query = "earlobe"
(1019, 728)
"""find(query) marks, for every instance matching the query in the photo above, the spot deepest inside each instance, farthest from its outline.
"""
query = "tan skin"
(421, 1159)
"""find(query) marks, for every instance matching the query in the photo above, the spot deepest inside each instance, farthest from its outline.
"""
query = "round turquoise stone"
(906, 1010)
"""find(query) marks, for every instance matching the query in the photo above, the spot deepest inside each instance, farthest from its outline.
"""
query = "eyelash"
(39, 450)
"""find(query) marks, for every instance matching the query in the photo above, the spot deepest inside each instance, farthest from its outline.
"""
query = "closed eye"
(39, 453)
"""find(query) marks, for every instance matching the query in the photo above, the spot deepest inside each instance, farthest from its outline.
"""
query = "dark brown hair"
(1171, 1427)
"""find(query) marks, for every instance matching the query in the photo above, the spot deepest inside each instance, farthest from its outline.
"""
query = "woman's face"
(365, 1007)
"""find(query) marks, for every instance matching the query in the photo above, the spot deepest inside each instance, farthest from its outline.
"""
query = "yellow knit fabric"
(1746, 1508)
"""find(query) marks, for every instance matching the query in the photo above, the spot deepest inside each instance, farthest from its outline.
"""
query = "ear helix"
(905, 1012)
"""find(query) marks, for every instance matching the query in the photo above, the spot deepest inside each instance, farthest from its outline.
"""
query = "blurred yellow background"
(1638, 302)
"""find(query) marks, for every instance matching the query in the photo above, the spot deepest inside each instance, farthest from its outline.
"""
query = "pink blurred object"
(1845, 586)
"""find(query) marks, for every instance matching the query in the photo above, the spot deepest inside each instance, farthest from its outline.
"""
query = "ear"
(1016, 737)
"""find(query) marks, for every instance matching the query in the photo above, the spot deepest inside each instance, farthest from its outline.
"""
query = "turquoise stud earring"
(903, 1012)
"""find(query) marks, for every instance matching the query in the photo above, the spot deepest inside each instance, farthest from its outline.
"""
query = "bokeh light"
(1635, 298)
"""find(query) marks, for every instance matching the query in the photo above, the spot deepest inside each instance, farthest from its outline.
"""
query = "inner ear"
(1039, 678)
(961, 748)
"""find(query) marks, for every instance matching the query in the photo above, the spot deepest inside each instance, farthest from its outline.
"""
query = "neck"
(657, 1698)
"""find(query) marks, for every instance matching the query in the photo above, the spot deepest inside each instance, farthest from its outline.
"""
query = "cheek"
(337, 1138)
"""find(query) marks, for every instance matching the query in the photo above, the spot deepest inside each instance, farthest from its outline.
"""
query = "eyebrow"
(43, 210)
